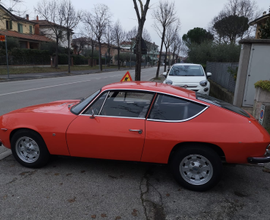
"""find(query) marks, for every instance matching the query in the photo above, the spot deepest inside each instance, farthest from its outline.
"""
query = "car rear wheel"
(29, 149)
(197, 168)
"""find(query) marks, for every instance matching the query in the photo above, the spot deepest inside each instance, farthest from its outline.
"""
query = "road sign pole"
(7, 56)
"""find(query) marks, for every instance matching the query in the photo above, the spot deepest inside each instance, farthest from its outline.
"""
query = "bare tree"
(132, 33)
(14, 6)
(91, 38)
(98, 22)
(141, 17)
(170, 36)
(71, 20)
(51, 12)
(176, 47)
(79, 43)
(164, 16)
(109, 40)
(118, 37)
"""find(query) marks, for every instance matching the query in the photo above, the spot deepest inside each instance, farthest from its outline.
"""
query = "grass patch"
(23, 70)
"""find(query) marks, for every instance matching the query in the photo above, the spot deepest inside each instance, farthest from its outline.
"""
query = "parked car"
(140, 121)
(189, 76)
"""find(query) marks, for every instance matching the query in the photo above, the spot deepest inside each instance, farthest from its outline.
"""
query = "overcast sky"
(192, 13)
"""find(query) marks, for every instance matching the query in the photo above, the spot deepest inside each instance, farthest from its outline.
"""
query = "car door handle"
(136, 130)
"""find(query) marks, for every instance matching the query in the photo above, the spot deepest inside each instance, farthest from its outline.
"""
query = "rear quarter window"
(172, 108)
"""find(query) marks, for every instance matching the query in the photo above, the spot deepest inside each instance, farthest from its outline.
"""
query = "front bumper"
(265, 159)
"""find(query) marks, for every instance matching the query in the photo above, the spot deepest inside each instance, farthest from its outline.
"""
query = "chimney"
(27, 16)
(36, 29)
(37, 17)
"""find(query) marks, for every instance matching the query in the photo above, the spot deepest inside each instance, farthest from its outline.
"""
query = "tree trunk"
(109, 50)
(138, 55)
(165, 60)
(100, 61)
(56, 53)
(92, 55)
(118, 57)
(68, 36)
(160, 52)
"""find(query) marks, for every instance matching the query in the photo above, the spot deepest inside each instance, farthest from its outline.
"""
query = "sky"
(192, 13)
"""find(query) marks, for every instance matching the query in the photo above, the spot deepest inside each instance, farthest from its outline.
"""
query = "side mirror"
(93, 114)
(164, 74)
(208, 74)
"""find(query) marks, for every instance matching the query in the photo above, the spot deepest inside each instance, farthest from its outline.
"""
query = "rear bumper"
(265, 159)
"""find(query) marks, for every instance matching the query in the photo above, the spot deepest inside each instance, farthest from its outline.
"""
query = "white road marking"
(45, 87)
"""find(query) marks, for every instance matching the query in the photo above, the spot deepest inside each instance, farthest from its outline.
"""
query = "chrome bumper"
(265, 159)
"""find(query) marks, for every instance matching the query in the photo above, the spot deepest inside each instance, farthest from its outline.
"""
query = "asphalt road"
(80, 188)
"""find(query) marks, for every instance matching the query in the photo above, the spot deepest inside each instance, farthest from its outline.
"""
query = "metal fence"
(221, 75)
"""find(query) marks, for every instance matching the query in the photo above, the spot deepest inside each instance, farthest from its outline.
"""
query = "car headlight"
(169, 82)
(203, 83)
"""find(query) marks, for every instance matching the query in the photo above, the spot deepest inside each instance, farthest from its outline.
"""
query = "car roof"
(152, 86)
(186, 64)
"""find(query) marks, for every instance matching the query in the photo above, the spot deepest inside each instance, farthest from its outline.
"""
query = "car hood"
(186, 79)
(59, 107)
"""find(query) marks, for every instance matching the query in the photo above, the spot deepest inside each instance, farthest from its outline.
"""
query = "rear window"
(221, 104)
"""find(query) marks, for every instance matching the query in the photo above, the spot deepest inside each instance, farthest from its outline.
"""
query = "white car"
(189, 76)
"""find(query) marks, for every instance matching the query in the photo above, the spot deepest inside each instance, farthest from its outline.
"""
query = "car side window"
(96, 106)
(173, 108)
(127, 104)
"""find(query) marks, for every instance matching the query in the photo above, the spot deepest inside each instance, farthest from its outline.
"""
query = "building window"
(20, 28)
(30, 29)
(8, 25)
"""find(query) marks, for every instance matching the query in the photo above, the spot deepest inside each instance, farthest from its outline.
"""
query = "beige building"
(27, 32)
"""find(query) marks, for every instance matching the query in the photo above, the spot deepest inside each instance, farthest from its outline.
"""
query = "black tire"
(196, 167)
(29, 149)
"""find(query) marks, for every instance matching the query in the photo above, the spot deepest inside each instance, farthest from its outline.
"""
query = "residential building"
(83, 43)
(152, 49)
(21, 28)
(48, 29)
(260, 21)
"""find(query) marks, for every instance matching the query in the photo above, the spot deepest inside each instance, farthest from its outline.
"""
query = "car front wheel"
(196, 168)
(29, 149)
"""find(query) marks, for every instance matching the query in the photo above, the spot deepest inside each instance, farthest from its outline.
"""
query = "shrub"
(11, 43)
(264, 84)
(212, 52)
(27, 56)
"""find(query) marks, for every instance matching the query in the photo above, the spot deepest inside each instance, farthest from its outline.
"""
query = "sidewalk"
(25, 76)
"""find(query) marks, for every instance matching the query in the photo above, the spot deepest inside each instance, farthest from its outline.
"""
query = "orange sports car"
(140, 121)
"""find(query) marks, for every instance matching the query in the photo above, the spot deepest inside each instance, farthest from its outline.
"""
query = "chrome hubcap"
(196, 169)
(27, 149)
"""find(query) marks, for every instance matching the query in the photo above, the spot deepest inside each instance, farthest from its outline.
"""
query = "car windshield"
(186, 70)
(81, 105)
(221, 104)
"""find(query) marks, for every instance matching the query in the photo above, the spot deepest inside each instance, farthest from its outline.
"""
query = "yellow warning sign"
(126, 77)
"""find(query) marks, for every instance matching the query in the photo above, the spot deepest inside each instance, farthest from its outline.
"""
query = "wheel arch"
(182, 145)
(23, 129)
